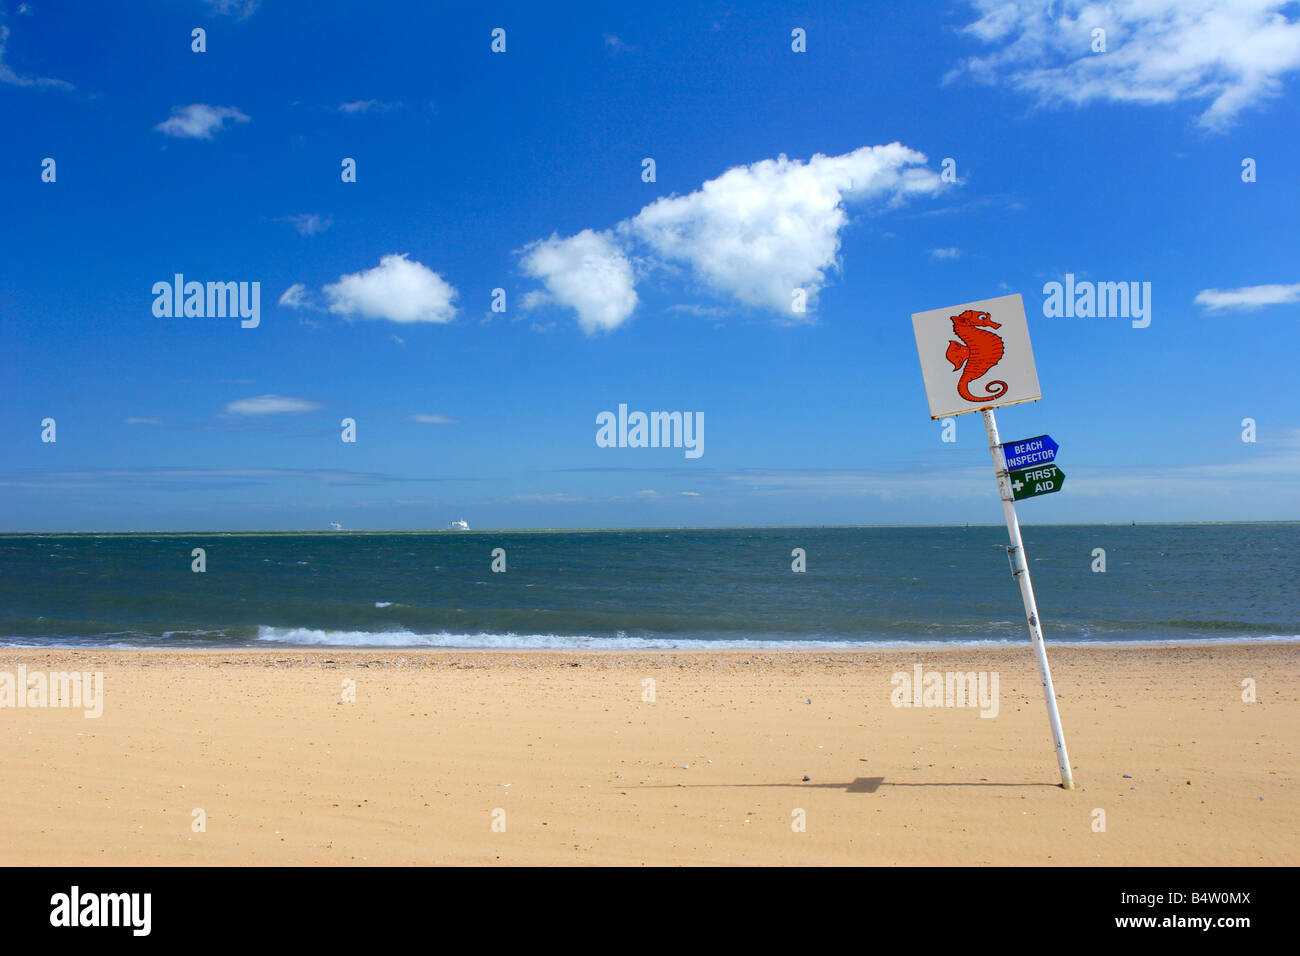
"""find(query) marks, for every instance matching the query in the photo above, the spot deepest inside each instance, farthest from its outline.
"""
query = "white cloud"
(397, 289)
(7, 74)
(950, 252)
(433, 419)
(614, 45)
(534, 299)
(199, 121)
(142, 421)
(1232, 54)
(293, 297)
(586, 272)
(239, 9)
(365, 106)
(703, 311)
(270, 405)
(753, 235)
(308, 223)
(1247, 298)
(758, 232)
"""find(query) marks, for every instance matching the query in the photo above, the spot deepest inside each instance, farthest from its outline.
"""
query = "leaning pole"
(977, 357)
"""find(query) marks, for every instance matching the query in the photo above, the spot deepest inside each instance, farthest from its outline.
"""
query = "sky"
(866, 161)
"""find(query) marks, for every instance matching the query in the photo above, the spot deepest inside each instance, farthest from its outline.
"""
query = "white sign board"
(976, 355)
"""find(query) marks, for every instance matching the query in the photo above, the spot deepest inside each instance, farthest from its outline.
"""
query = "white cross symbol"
(1016, 484)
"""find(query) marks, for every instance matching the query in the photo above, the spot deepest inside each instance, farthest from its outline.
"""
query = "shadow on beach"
(860, 785)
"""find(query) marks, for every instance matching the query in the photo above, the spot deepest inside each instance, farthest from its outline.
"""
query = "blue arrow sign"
(1030, 451)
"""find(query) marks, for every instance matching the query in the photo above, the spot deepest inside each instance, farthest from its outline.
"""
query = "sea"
(649, 589)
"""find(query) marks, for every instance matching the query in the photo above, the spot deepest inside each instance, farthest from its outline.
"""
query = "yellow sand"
(588, 772)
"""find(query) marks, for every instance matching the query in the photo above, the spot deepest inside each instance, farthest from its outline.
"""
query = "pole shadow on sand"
(860, 785)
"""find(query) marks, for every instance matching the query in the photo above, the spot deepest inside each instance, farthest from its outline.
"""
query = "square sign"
(976, 355)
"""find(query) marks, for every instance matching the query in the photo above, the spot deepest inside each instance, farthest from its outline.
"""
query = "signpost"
(1030, 451)
(1032, 482)
(977, 356)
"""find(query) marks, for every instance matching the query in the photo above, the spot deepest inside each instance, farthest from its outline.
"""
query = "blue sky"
(523, 170)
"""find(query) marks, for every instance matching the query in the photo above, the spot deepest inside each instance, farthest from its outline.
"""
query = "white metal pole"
(1020, 570)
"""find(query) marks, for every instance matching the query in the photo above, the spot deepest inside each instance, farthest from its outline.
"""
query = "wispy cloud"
(554, 497)
(1270, 467)
(1248, 297)
(199, 121)
(950, 252)
(238, 9)
(166, 477)
(433, 419)
(1272, 464)
(365, 106)
(704, 311)
(294, 297)
(271, 405)
(142, 421)
(398, 290)
(1235, 55)
(614, 45)
(307, 223)
(13, 78)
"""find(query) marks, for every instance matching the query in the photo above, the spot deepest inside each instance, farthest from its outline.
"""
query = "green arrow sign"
(1032, 482)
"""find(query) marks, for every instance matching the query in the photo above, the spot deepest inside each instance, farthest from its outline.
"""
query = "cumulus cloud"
(587, 272)
(397, 290)
(1248, 297)
(270, 405)
(199, 121)
(308, 223)
(753, 235)
(758, 232)
(1233, 55)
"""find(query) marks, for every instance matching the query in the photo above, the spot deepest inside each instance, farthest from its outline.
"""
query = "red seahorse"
(979, 351)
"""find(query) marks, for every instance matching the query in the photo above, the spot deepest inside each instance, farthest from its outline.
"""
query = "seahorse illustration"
(979, 351)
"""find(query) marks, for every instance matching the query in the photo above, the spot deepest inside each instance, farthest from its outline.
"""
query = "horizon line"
(599, 530)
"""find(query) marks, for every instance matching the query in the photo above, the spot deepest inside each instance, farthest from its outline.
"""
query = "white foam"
(511, 641)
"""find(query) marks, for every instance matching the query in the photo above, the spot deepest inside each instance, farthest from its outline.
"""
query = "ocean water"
(648, 589)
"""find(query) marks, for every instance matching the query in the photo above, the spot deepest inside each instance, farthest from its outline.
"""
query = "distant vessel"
(336, 526)
(461, 525)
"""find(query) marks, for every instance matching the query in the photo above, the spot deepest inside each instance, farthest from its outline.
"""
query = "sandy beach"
(540, 758)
